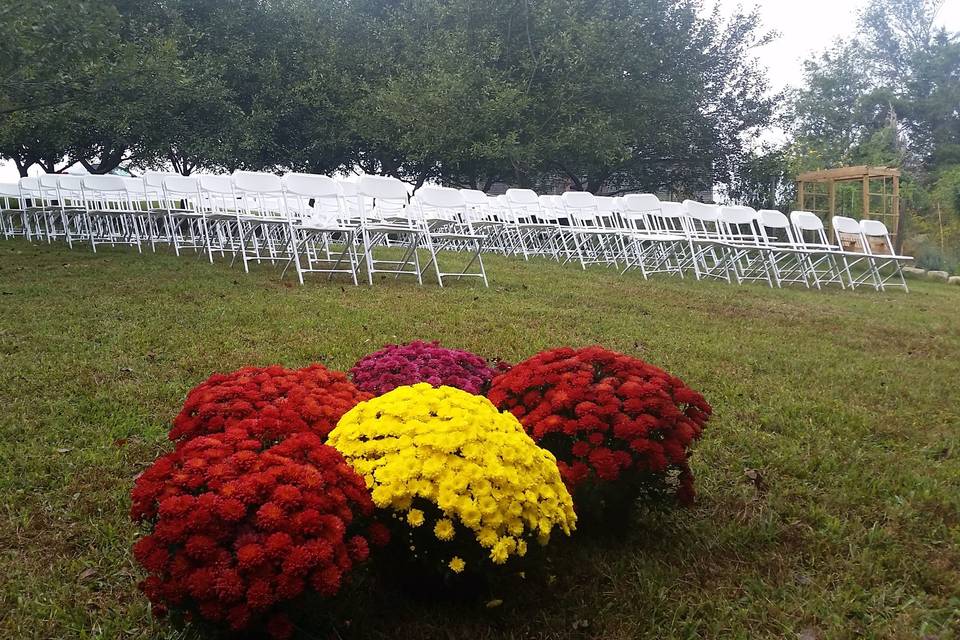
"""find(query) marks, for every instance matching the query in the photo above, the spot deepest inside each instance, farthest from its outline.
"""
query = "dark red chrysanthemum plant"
(398, 365)
(283, 401)
(238, 532)
(610, 419)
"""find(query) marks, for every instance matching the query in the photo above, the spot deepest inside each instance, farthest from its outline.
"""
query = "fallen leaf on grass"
(493, 604)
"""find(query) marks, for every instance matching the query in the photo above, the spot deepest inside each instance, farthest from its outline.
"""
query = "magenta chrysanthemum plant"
(404, 364)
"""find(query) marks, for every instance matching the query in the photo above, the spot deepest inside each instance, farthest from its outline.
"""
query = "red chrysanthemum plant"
(283, 401)
(621, 428)
(398, 365)
(239, 532)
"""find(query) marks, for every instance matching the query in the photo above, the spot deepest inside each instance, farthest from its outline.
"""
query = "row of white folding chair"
(253, 215)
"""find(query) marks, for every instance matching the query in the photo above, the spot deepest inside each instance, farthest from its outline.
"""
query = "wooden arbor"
(861, 192)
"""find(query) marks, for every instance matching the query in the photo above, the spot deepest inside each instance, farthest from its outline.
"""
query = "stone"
(914, 272)
(954, 280)
(942, 276)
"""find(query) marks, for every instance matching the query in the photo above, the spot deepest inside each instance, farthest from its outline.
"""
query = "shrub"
(238, 531)
(398, 365)
(611, 420)
(465, 487)
(283, 401)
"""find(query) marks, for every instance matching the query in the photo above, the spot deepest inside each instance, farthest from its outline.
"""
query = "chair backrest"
(606, 204)
(581, 208)
(153, 185)
(153, 180)
(438, 205)
(48, 180)
(520, 205)
(135, 186)
(30, 188)
(311, 185)
(848, 234)
(180, 185)
(9, 194)
(639, 203)
(104, 184)
(701, 211)
(9, 190)
(179, 193)
(382, 188)
(222, 185)
(46, 191)
(877, 237)
(313, 198)
(256, 182)
(105, 193)
(69, 190)
(738, 224)
(259, 194)
(737, 215)
(808, 229)
(522, 197)
(775, 227)
(216, 194)
(773, 219)
(703, 220)
(441, 198)
(806, 221)
(475, 197)
(580, 200)
(670, 218)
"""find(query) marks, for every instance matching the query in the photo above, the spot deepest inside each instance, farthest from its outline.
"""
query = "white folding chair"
(13, 220)
(663, 245)
(266, 228)
(386, 225)
(788, 260)
(443, 211)
(595, 242)
(32, 203)
(481, 219)
(158, 223)
(810, 235)
(880, 246)
(750, 258)
(55, 223)
(710, 256)
(76, 221)
(113, 217)
(858, 264)
(324, 235)
(531, 234)
(218, 204)
(179, 200)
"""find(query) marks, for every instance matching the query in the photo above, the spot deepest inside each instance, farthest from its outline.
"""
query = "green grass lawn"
(847, 406)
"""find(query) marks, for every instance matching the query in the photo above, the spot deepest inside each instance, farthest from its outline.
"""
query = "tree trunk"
(21, 167)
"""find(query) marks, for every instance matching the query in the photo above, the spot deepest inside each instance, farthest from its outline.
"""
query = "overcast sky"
(805, 27)
(809, 26)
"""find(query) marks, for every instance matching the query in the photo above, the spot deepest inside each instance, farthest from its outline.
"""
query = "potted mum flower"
(283, 401)
(405, 364)
(621, 429)
(461, 486)
(238, 533)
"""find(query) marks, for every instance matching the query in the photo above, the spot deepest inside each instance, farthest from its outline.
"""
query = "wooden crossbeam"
(848, 173)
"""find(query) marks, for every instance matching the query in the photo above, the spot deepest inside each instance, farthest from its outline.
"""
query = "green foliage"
(607, 95)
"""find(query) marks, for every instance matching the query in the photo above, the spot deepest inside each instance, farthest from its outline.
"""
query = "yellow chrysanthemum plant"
(461, 486)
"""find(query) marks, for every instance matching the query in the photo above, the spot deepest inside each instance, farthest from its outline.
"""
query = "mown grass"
(844, 407)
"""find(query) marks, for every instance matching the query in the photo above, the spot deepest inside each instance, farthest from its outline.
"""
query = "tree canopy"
(597, 94)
